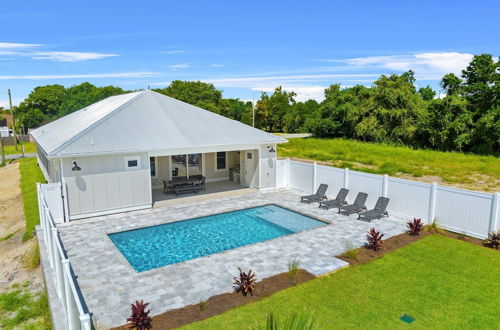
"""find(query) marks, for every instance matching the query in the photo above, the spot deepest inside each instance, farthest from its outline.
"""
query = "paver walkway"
(109, 284)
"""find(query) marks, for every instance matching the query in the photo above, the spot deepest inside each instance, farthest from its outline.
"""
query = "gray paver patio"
(109, 284)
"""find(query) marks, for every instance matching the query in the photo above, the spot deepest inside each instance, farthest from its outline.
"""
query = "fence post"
(346, 178)
(85, 322)
(57, 263)
(71, 313)
(494, 225)
(315, 171)
(384, 185)
(432, 203)
(288, 172)
(50, 240)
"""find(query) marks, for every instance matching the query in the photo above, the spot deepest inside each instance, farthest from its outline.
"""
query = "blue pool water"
(167, 244)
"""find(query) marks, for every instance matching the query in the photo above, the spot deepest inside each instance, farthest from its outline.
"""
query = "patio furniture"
(186, 188)
(358, 206)
(180, 185)
(317, 197)
(378, 212)
(337, 202)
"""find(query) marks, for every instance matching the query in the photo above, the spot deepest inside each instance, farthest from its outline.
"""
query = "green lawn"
(30, 175)
(29, 147)
(442, 282)
(473, 171)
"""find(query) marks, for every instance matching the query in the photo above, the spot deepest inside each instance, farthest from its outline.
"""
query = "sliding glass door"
(186, 165)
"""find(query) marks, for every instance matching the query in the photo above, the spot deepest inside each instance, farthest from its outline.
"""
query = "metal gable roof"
(143, 121)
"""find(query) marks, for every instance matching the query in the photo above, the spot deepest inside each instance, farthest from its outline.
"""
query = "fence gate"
(53, 197)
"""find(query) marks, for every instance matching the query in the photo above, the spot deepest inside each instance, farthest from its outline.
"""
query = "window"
(132, 163)
(249, 155)
(221, 161)
(152, 166)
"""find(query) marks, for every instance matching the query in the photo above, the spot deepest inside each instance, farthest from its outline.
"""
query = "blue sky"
(243, 47)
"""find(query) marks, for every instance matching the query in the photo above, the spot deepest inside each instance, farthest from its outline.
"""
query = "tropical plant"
(203, 305)
(414, 227)
(493, 240)
(245, 283)
(374, 239)
(140, 319)
(293, 322)
(293, 268)
(349, 250)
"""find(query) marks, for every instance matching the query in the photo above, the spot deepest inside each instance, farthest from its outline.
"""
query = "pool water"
(157, 246)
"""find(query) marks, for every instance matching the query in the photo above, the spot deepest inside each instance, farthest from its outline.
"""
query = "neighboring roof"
(142, 121)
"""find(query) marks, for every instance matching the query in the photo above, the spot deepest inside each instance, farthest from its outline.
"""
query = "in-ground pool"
(167, 244)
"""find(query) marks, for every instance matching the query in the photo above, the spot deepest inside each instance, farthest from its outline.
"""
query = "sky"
(242, 47)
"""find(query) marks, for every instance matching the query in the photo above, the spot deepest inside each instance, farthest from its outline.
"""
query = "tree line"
(392, 110)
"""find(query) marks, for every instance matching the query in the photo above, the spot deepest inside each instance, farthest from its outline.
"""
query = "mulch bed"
(365, 255)
(220, 303)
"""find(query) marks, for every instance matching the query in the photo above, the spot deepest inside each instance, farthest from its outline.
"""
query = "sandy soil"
(13, 250)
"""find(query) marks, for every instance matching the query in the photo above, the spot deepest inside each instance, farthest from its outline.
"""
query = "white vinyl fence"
(66, 287)
(462, 211)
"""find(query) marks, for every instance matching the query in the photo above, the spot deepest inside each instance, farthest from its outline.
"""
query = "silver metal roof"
(143, 121)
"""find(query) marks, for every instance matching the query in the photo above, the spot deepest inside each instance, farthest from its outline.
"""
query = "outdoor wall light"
(271, 149)
(75, 166)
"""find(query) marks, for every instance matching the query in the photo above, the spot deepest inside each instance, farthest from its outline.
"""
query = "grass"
(293, 268)
(443, 283)
(21, 309)
(452, 167)
(29, 147)
(30, 175)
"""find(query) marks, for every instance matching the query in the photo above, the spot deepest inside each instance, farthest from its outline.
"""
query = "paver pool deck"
(109, 284)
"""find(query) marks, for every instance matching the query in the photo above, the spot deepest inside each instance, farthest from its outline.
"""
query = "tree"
(197, 93)
(427, 93)
(43, 103)
(271, 110)
(451, 84)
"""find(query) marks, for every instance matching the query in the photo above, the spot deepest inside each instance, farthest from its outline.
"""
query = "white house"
(110, 155)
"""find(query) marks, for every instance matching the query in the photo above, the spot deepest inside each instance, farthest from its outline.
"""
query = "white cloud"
(15, 101)
(81, 76)
(17, 45)
(303, 92)
(69, 56)
(215, 65)
(433, 65)
(171, 52)
(180, 66)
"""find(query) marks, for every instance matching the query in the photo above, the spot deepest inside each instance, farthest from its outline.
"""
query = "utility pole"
(13, 120)
(2, 152)
(253, 110)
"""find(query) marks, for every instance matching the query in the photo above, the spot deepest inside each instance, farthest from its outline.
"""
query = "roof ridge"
(98, 122)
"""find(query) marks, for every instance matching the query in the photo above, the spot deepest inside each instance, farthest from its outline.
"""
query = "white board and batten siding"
(104, 185)
(462, 211)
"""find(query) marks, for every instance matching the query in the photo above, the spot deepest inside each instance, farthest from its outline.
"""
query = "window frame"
(156, 167)
(216, 162)
(132, 158)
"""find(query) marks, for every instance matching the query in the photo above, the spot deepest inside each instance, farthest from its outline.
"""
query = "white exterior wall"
(105, 186)
(266, 168)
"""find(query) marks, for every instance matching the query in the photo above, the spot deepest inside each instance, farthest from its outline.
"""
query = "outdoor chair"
(358, 206)
(317, 197)
(378, 212)
(337, 202)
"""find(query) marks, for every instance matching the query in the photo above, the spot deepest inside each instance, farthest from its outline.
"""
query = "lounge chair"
(378, 212)
(358, 206)
(337, 202)
(317, 197)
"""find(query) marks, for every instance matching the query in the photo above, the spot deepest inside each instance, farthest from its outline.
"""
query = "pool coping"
(123, 258)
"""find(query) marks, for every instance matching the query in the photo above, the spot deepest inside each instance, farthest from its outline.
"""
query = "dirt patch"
(220, 303)
(14, 251)
(364, 255)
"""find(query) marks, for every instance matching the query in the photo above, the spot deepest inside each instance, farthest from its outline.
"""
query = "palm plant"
(374, 239)
(245, 282)
(140, 319)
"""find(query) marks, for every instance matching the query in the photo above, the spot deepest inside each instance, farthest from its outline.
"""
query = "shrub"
(414, 227)
(374, 239)
(493, 240)
(140, 319)
(245, 283)
(349, 250)
(203, 305)
(293, 268)
(293, 322)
